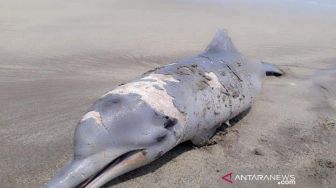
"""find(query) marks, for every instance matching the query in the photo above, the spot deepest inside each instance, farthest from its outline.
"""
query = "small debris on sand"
(258, 151)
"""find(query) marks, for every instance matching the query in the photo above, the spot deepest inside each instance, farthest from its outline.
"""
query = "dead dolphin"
(139, 121)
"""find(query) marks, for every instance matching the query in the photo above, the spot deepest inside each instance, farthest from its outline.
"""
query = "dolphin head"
(118, 134)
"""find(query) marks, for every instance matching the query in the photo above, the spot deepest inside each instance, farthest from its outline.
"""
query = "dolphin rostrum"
(137, 122)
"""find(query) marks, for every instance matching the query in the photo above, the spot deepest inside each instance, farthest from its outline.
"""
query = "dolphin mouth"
(108, 168)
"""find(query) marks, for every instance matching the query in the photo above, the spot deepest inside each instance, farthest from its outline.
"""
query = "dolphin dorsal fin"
(220, 43)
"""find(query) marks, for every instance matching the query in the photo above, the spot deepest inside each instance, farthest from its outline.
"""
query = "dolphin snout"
(97, 170)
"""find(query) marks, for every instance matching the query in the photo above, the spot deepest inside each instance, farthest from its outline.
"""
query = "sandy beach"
(58, 57)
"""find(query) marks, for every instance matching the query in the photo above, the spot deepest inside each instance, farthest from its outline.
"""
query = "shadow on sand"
(153, 166)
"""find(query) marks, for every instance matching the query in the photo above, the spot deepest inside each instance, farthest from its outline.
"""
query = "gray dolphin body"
(138, 122)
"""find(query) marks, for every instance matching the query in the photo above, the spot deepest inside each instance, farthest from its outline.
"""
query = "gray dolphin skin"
(137, 122)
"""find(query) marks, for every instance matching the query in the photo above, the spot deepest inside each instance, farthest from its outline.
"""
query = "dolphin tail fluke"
(220, 43)
(272, 70)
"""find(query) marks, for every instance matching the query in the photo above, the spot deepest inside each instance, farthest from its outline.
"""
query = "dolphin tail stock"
(272, 70)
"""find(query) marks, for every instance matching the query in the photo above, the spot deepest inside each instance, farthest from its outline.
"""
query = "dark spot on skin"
(235, 94)
(121, 84)
(184, 70)
(216, 113)
(170, 122)
(207, 78)
(161, 138)
(208, 58)
(116, 100)
(144, 152)
(158, 87)
(321, 86)
(222, 73)
(225, 93)
(202, 84)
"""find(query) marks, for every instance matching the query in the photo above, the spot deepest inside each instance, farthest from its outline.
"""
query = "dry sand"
(58, 57)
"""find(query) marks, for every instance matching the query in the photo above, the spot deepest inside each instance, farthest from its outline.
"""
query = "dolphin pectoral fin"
(203, 138)
(272, 70)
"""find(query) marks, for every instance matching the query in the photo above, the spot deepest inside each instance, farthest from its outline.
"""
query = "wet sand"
(57, 58)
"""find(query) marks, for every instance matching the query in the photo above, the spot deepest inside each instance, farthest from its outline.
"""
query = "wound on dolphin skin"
(115, 100)
(169, 122)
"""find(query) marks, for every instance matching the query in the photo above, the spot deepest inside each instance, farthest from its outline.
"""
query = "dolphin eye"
(169, 122)
(161, 138)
